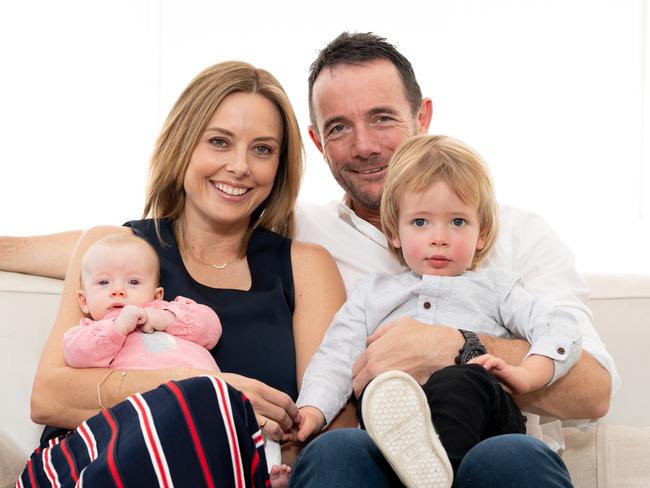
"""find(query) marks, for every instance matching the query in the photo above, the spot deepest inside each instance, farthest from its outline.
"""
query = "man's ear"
(160, 292)
(83, 303)
(313, 135)
(424, 116)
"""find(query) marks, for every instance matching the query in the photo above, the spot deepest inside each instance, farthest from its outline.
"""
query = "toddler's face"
(115, 276)
(438, 233)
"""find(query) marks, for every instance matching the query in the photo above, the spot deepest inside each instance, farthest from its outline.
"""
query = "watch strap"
(471, 348)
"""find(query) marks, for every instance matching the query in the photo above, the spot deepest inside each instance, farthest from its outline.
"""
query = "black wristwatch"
(471, 349)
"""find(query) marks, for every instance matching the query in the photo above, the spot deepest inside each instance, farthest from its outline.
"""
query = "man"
(364, 101)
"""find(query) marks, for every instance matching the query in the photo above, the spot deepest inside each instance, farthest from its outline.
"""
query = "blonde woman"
(219, 213)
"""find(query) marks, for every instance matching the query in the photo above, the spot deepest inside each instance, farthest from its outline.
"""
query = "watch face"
(469, 355)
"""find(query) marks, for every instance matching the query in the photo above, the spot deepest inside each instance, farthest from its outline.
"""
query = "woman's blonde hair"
(186, 123)
(423, 160)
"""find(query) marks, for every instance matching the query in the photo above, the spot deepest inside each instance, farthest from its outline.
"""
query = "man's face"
(362, 116)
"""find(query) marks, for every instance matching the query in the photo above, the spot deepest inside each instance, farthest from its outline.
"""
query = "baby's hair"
(424, 160)
(115, 240)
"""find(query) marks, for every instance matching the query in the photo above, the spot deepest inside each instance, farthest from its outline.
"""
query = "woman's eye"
(217, 141)
(419, 222)
(263, 150)
(458, 222)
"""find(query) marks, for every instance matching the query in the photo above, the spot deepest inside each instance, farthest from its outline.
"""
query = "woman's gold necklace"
(215, 266)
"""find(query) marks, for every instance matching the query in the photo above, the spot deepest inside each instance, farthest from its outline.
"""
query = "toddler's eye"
(102, 282)
(134, 282)
(419, 222)
(458, 222)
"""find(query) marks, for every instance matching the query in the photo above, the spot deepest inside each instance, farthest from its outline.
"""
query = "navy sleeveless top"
(257, 339)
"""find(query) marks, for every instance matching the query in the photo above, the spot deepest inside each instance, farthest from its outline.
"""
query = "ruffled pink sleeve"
(92, 344)
(194, 322)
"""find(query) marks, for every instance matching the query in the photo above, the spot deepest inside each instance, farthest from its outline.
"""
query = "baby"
(439, 215)
(132, 327)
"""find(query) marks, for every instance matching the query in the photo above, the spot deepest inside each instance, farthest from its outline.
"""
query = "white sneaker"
(397, 418)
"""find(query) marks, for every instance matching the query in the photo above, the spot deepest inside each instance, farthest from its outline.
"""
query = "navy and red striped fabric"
(196, 432)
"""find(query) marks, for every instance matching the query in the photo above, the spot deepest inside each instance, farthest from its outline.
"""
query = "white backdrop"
(551, 93)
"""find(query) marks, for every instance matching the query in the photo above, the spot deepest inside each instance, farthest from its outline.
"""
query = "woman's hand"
(273, 408)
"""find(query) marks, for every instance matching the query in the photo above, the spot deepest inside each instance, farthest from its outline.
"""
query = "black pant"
(467, 406)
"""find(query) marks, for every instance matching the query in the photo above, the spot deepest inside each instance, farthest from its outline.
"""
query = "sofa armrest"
(610, 456)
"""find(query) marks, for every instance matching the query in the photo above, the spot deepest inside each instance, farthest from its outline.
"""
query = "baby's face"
(438, 232)
(115, 276)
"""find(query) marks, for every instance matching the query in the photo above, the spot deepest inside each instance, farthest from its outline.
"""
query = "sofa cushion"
(12, 461)
(610, 456)
(29, 305)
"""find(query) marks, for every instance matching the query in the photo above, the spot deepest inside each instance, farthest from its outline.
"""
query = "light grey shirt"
(490, 302)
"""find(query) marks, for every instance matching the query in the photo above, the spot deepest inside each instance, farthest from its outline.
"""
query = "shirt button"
(426, 305)
(560, 350)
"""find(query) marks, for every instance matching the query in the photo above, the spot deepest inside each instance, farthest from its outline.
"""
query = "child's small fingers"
(491, 363)
(480, 360)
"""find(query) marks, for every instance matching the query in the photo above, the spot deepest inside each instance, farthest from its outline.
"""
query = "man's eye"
(458, 222)
(419, 222)
(337, 129)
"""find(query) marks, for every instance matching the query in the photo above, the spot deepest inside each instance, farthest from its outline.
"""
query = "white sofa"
(616, 454)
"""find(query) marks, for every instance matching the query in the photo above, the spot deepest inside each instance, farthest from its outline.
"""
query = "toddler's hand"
(311, 421)
(489, 362)
(513, 379)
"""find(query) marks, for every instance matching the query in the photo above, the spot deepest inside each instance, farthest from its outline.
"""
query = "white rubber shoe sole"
(397, 418)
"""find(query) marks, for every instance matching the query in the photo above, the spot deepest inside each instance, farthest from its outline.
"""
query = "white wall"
(551, 93)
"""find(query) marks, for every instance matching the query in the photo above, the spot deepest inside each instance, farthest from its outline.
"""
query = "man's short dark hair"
(358, 48)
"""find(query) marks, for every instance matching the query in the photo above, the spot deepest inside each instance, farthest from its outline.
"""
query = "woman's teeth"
(230, 190)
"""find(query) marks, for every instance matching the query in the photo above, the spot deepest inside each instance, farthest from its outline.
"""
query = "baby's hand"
(157, 319)
(279, 476)
(129, 318)
(311, 421)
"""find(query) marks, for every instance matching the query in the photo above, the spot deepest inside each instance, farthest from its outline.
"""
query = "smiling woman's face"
(233, 167)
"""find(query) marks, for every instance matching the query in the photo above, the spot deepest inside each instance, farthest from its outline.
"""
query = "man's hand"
(408, 345)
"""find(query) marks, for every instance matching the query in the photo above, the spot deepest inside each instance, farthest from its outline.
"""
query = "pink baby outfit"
(185, 343)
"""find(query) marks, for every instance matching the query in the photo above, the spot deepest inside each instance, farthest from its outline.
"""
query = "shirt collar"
(347, 215)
